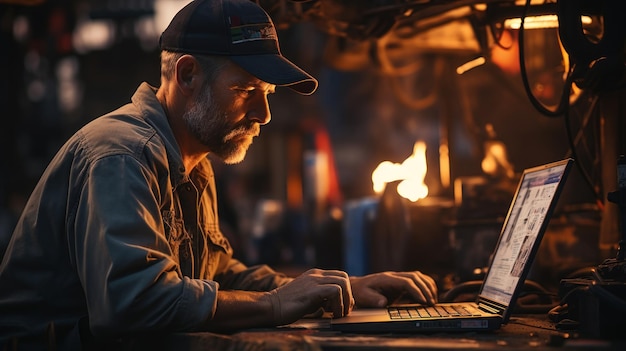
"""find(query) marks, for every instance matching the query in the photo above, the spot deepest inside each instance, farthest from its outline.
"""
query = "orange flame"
(411, 172)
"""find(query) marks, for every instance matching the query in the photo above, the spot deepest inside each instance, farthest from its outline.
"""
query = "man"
(121, 235)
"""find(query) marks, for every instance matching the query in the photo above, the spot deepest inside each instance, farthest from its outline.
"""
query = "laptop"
(534, 201)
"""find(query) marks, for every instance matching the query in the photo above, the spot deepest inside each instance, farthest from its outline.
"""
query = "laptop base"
(369, 321)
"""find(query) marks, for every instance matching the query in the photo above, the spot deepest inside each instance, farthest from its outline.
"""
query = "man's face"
(228, 113)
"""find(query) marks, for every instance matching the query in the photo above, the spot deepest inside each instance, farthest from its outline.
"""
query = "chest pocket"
(217, 239)
(219, 250)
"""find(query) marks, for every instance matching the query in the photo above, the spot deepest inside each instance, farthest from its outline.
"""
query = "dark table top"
(533, 332)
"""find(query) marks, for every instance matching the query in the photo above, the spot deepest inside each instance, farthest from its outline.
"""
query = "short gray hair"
(211, 65)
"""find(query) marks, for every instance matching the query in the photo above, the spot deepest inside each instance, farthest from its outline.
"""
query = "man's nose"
(260, 111)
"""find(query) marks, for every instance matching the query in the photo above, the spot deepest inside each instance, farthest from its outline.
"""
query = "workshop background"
(439, 81)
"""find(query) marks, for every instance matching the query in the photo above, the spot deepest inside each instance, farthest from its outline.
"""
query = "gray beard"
(210, 125)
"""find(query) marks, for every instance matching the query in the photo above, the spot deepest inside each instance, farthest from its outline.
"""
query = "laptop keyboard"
(411, 312)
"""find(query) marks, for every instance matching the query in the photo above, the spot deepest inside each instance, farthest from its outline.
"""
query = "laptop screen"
(523, 227)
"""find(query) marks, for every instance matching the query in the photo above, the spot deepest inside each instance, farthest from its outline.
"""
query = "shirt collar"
(153, 113)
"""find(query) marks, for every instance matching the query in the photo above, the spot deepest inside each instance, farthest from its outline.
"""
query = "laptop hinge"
(487, 308)
(491, 307)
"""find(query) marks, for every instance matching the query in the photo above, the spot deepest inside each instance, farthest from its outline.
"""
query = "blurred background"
(425, 94)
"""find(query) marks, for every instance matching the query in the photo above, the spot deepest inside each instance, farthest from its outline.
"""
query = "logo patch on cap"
(241, 33)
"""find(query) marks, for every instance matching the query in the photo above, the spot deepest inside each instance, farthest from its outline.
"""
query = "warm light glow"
(444, 165)
(411, 173)
(470, 64)
(493, 160)
(93, 35)
(534, 22)
(496, 161)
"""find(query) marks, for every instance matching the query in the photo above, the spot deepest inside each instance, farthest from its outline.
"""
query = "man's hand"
(381, 289)
(313, 289)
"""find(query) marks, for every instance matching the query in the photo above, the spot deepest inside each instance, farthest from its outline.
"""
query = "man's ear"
(188, 73)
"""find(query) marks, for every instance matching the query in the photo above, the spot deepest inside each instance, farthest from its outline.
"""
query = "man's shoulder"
(117, 132)
(130, 128)
(138, 129)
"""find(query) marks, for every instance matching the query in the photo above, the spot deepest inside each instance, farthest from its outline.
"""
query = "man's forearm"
(242, 309)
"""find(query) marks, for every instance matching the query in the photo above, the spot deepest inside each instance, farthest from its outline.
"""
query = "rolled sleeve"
(238, 276)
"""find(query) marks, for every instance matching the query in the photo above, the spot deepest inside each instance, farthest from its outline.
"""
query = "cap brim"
(277, 70)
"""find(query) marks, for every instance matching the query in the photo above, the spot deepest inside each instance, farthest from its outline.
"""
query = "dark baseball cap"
(241, 30)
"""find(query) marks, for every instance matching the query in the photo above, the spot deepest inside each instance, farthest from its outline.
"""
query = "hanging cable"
(574, 153)
(562, 108)
(497, 34)
(564, 101)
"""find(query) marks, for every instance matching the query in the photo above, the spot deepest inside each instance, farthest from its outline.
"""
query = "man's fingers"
(425, 288)
(429, 284)
(333, 300)
(315, 288)
(339, 292)
(416, 284)
(430, 281)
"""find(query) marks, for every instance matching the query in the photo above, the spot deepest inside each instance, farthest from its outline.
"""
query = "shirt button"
(188, 188)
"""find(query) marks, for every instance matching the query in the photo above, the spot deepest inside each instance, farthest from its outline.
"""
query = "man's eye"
(246, 92)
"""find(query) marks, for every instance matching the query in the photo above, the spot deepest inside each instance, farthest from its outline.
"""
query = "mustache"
(253, 130)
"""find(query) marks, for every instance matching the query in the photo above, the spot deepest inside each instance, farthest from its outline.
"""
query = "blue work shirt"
(117, 233)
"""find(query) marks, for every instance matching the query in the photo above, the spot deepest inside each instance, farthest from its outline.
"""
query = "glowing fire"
(411, 173)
